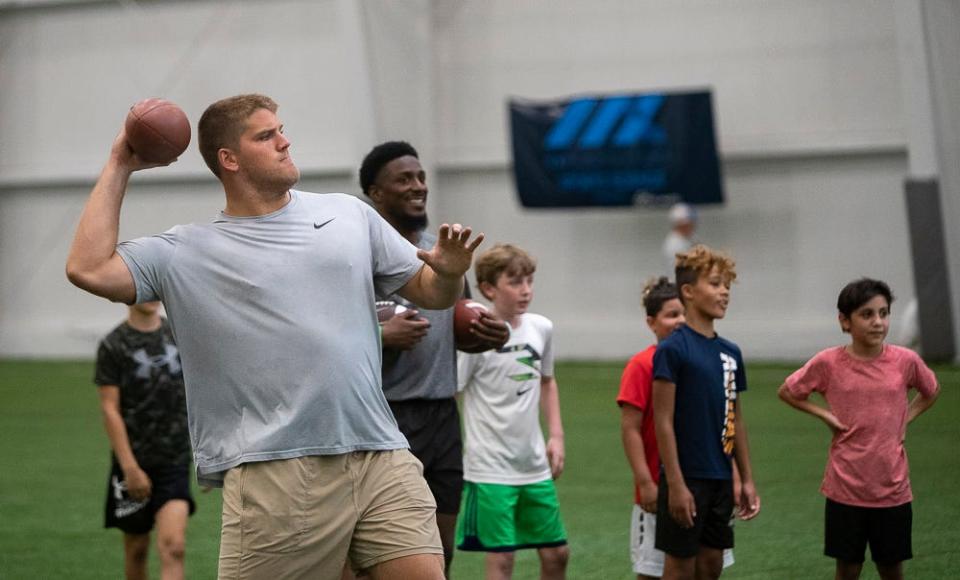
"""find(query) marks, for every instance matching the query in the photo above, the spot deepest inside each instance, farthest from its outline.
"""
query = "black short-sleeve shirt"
(146, 368)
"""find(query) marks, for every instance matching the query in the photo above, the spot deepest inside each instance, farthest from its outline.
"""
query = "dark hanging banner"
(616, 150)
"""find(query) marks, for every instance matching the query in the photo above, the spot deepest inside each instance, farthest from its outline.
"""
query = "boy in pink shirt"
(865, 386)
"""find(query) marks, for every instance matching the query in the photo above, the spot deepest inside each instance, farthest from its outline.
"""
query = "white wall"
(806, 93)
(789, 76)
(69, 74)
(798, 228)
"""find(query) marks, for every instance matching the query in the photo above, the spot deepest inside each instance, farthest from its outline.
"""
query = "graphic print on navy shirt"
(708, 374)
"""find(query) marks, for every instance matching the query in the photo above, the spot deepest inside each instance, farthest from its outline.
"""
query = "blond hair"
(699, 261)
(503, 259)
(224, 121)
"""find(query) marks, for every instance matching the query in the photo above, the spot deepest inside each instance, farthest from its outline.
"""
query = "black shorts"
(848, 529)
(712, 527)
(432, 426)
(137, 517)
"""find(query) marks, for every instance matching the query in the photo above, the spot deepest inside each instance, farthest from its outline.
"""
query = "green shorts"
(504, 518)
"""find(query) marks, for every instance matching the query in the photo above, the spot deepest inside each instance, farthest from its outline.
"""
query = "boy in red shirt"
(865, 386)
(664, 313)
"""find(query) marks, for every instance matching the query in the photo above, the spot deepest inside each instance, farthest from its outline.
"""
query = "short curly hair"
(699, 261)
(656, 293)
(378, 157)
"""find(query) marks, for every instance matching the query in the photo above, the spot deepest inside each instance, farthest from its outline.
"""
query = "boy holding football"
(509, 498)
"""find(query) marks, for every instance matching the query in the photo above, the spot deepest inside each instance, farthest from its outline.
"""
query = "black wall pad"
(931, 276)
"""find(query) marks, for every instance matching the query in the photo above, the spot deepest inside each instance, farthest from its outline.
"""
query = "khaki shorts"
(303, 517)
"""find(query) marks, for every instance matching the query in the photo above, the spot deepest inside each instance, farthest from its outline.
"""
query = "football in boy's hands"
(465, 312)
(157, 130)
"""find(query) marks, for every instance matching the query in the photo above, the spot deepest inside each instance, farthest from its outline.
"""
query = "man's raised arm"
(93, 263)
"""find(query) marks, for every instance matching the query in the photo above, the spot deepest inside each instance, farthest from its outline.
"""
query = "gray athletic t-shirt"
(429, 369)
(274, 316)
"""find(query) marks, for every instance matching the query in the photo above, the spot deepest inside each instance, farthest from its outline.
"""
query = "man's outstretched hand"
(452, 255)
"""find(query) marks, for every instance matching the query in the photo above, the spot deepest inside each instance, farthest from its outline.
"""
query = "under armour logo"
(118, 487)
(124, 506)
(146, 363)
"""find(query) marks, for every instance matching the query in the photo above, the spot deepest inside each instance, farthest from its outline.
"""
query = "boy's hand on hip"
(836, 427)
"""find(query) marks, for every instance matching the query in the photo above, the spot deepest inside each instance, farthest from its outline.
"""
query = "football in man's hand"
(465, 312)
(158, 131)
(387, 309)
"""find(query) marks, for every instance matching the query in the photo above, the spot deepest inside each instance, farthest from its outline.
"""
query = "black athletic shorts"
(848, 529)
(432, 426)
(712, 527)
(137, 517)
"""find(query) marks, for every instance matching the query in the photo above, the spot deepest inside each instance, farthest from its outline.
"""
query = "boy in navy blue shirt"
(697, 378)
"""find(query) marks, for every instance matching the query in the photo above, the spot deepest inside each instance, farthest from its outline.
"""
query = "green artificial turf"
(54, 460)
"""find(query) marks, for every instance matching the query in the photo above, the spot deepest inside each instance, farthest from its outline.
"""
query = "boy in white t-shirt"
(509, 499)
